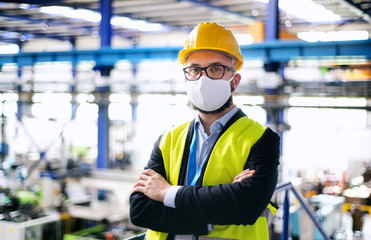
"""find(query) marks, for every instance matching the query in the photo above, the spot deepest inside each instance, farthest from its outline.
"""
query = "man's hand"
(244, 174)
(152, 184)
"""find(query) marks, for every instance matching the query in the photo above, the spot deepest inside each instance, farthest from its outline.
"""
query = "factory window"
(323, 136)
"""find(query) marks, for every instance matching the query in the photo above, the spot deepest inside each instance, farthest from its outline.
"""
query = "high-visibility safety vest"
(241, 135)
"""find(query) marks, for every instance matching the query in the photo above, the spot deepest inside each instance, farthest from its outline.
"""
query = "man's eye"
(216, 69)
(194, 70)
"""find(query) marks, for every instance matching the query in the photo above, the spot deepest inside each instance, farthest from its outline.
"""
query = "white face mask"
(207, 94)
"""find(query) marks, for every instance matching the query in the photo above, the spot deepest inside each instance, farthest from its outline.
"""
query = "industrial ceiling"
(27, 20)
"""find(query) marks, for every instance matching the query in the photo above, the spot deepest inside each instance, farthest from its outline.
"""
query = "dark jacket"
(197, 206)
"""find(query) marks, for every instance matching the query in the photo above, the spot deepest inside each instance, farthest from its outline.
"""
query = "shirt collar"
(220, 123)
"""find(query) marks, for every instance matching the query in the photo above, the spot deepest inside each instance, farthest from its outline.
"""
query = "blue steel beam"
(282, 51)
(103, 91)
(271, 23)
(103, 129)
(270, 51)
(105, 23)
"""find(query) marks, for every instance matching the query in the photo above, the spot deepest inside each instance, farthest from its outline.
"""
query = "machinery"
(21, 218)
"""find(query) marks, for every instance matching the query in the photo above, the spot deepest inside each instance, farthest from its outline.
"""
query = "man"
(212, 177)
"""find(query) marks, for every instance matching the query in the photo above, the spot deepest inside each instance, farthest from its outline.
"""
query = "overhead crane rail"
(268, 51)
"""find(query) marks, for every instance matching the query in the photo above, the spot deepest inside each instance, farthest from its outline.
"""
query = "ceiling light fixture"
(307, 10)
(87, 15)
(244, 39)
(9, 48)
(140, 25)
(56, 10)
(93, 16)
(333, 36)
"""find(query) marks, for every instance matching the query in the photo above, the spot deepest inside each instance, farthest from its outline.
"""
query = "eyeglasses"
(213, 72)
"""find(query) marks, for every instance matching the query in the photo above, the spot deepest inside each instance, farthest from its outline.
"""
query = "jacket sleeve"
(236, 203)
(154, 215)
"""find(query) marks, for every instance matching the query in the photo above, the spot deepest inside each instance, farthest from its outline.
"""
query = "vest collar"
(183, 168)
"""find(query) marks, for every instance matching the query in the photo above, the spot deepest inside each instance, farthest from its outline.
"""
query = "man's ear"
(236, 81)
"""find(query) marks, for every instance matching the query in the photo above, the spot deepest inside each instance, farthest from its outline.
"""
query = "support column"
(104, 89)
(105, 23)
(103, 126)
(19, 90)
(4, 147)
(273, 69)
(134, 97)
(275, 113)
(272, 21)
(73, 92)
(271, 32)
(73, 89)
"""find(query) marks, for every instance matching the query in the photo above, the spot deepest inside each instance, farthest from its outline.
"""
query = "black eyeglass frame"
(203, 69)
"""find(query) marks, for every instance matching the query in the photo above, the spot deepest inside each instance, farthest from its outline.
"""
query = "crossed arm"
(240, 202)
(154, 186)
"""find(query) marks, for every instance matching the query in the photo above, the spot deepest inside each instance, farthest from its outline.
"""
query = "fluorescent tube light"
(93, 16)
(87, 15)
(307, 10)
(56, 10)
(9, 48)
(333, 36)
(136, 24)
(244, 39)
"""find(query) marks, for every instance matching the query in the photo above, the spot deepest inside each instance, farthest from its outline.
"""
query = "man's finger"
(139, 183)
(138, 189)
(143, 177)
(238, 178)
(243, 175)
(148, 172)
(250, 173)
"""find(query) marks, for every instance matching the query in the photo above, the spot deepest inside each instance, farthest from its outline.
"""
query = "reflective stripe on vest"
(269, 213)
(239, 138)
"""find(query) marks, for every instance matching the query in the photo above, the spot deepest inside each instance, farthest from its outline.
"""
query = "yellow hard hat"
(211, 36)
